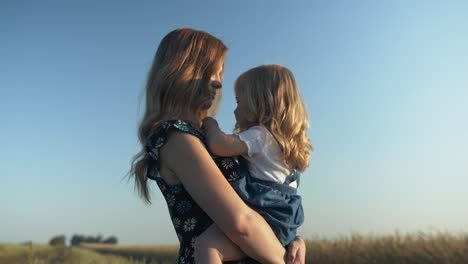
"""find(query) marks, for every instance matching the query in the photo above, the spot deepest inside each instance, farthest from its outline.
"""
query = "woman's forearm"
(254, 236)
(187, 157)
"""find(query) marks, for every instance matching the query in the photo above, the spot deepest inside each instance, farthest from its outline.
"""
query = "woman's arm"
(220, 143)
(186, 156)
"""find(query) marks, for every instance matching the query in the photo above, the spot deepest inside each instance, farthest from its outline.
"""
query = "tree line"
(75, 240)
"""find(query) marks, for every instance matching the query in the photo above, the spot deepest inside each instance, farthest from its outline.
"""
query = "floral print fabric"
(188, 218)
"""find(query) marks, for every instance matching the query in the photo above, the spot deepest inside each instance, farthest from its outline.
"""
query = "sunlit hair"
(273, 102)
(177, 85)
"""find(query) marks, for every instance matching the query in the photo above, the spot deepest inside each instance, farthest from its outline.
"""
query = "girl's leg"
(212, 246)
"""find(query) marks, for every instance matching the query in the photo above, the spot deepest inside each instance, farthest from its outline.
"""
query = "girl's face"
(240, 111)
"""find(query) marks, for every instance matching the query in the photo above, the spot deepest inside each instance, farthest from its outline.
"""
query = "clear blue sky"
(385, 84)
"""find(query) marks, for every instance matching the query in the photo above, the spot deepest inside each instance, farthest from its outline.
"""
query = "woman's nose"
(216, 84)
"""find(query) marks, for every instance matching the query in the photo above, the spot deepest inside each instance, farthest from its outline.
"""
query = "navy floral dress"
(188, 218)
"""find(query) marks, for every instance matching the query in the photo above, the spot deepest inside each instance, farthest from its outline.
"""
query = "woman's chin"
(207, 106)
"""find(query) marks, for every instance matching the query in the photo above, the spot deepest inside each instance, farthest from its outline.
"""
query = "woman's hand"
(296, 252)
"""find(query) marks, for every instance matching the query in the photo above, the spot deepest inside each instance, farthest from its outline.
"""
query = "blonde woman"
(271, 126)
(184, 86)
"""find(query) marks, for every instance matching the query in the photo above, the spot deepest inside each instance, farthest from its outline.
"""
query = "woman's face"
(215, 88)
(216, 81)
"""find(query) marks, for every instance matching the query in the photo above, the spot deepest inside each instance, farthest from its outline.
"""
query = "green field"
(396, 248)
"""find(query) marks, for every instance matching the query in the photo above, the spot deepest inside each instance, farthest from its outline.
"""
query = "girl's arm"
(220, 143)
(186, 156)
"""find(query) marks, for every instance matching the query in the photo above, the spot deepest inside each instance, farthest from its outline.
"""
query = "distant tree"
(77, 239)
(110, 240)
(91, 239)
(57, 241)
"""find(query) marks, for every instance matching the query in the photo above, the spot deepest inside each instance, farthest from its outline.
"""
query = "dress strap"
(159, 137)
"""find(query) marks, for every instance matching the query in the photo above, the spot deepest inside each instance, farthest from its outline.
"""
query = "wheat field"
(396, 248)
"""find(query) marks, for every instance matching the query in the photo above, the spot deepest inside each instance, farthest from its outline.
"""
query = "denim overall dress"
(278, 203)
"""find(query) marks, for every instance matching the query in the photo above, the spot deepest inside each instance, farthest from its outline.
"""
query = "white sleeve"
(254, 138)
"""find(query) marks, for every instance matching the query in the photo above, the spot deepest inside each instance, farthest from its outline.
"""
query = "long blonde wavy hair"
(177, 84)
(273, 102)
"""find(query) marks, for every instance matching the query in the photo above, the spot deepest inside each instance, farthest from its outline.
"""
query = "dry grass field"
(397, 248)
(148, 254)
(44, 254)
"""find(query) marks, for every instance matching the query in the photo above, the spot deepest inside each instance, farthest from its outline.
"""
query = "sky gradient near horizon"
(385, 84)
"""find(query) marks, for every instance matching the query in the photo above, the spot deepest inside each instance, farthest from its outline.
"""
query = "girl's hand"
(296, 252)
(209, 122)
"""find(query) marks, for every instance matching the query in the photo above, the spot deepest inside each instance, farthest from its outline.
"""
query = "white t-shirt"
(265, 158)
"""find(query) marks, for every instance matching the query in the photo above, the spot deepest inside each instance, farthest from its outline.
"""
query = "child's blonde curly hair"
(273, 102)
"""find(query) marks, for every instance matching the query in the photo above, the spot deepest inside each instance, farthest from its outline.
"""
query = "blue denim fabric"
(278, 203)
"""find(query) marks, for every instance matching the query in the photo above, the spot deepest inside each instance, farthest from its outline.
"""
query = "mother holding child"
(231, 198)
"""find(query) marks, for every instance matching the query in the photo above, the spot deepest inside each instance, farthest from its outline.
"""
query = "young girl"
(271, 127)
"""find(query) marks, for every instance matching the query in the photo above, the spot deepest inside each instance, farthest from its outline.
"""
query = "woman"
(183, 87)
